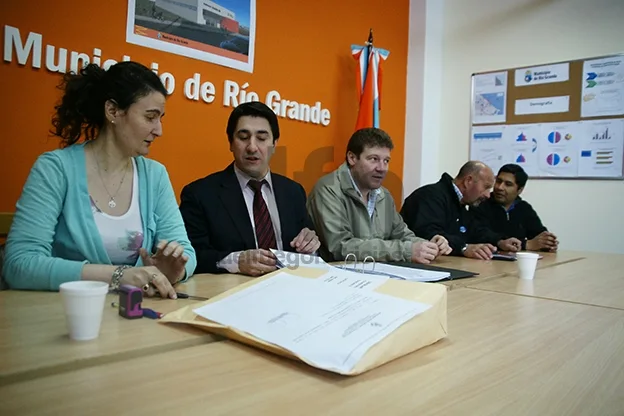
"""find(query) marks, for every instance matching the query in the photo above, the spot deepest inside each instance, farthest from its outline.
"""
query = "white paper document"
(345, 278)
(558, 148)
(490, 98)
(397, 272)
(543, 105)
(603, 87)
(488, 146)
(602, 148)
(523, 143)
(290, 260)
(330, 327)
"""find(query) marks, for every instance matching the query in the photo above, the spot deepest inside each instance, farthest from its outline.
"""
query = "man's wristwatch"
(463, 250)
(116, 277)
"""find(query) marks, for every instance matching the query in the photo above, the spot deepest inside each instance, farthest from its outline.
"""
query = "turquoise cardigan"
(54, 234)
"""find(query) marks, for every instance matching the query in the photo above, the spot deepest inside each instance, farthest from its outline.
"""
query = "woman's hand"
(169, 259)
(150, 278)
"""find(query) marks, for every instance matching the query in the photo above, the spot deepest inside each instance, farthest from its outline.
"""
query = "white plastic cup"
(527, 263)
(84, 304)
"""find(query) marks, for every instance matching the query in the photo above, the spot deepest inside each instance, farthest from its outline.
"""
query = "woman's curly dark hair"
(80, 112)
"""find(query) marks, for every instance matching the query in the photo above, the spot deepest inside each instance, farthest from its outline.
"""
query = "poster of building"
(219, 31)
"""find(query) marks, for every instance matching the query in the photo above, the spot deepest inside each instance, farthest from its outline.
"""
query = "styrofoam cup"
(527, 262)
(84, 304)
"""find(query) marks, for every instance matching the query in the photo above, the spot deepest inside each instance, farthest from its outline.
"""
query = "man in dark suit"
(444, 208)
(234, 217)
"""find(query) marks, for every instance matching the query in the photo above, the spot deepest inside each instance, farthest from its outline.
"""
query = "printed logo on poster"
(542, 74)
(220, 31)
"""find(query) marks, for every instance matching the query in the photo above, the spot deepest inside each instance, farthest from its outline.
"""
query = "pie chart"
(553, 159)
(554, 137)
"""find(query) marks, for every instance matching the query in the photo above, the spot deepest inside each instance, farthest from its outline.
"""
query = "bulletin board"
(557, 120)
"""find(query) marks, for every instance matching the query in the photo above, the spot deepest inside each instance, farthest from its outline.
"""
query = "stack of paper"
(397, 272)
(291, 260)
(330, 326)
(345, 278)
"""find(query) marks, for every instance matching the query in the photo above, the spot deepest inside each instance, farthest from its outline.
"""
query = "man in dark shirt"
(444, 208)
(509, 216)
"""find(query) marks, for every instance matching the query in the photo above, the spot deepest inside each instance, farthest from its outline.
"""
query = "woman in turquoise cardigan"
(97, 209)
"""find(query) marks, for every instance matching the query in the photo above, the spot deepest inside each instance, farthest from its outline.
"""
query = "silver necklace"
(111, 201)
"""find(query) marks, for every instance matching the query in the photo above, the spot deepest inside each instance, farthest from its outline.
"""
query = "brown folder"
(422, 330)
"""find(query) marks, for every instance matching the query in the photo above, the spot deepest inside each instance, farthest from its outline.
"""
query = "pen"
(152, 314)
(181, 295)
(187, 296)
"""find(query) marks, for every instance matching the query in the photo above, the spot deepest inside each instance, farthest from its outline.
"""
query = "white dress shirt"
(230, 262)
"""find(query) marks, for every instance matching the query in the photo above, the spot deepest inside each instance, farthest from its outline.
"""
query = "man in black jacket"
(509, 216)
(444, 208)
(236, 216)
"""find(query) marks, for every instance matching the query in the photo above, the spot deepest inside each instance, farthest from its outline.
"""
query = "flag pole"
(369, 77)
(369, 43)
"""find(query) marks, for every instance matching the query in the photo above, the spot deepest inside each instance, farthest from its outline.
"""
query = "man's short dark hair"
(252, 109)
(368, 137)
(519, 173)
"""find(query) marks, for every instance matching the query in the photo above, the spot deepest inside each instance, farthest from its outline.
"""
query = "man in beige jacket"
(353, 213)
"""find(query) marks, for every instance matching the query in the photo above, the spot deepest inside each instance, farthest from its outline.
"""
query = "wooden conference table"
(551, 346)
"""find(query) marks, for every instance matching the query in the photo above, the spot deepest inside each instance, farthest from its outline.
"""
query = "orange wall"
(302, 51)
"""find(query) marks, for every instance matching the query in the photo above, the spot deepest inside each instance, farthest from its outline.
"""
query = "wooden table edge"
(55, 369)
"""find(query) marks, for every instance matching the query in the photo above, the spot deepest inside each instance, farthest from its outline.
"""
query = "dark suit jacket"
(521, 222)
(217, 220)
(435, 209)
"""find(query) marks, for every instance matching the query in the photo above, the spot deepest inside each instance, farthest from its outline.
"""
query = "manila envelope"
(420, 331)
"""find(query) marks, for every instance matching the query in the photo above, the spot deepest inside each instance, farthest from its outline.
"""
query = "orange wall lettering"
(302, 50)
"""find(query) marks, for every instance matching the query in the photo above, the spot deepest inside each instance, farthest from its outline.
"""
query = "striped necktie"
(262, 220)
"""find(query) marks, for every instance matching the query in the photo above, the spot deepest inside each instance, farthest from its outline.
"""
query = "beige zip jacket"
(344, 226)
